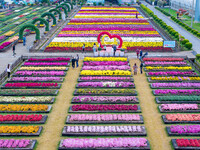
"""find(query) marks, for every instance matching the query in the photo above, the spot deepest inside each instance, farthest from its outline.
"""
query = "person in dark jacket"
(141, 54)
(13, 48)
(77, 59)
(141, 66)
(73, 62)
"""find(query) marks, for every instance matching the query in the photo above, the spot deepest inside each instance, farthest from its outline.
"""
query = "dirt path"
(56, 119)
(156, 133)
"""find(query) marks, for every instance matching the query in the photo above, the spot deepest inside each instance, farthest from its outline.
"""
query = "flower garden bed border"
(16, 75)
(178, 134)
(179, 111)
(173, 87)
(166, 70)
(179, 102)
(68, 65)
(176, 147)
(27, 94)
(141, 121)
(23, 134)
(111, 148)
(42, 121)
(104, 94)
(25, 102)
(143, 133)
(170, 94)
(155, 81)
(107, 75)
(79, 80)
(108, 111)
(133, 87)
(36, 87)
(45, 70)
(147, 74)
(10, 81)
(47, 111)
(106, 102)
(178, 122)
(29, 147)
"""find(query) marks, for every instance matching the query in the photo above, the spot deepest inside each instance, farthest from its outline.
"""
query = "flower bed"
(184, 130)
(27, 99)
(23, 119)
(163, 59)
(11, 92)
(172, 73)
(104, 108)
(106, 92)
(181, 118)
(49, 59)
(104, 130)
(20, 130)
(122, 67)
(165, 63)
(12, 108)
(172, 68)
(19, 144)
(178, 99)
(104, 143)
(104, 99)
(31, 85)
(185, 144)
(187, 92)
(105, 72)
(175, 85)
(36, 79)
(174, 79)
(104, 78)
(105, 59)
(105, 85)
(164, 108)
(105, 63)
(46, 64)
(39, 73)
(44, 68)
(103, 118)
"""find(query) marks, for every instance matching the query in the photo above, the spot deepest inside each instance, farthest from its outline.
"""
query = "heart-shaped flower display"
(110, 36)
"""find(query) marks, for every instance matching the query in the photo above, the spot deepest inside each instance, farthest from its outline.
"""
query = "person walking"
(77, 59)
(13, 50)
(135, 69)
(24, 40)
(114, 48)
(73, 62)
(141, 66)
(8, 70)
(137, 53)
(94, 48)
(83, 48)
(136, 15)
(141, 54)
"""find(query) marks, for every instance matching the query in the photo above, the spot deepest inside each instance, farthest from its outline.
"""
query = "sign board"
(169, 44)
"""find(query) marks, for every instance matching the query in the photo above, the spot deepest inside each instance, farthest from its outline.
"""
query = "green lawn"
(186, 21)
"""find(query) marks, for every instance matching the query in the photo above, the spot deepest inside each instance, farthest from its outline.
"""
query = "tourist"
(141, 66)
(24, 40)
(114, 48)
(83, 48)
(135, 69)
(137, 52)
(140, 55)
(8, 70)
(94, 48)
(136, 15)
(13, 48)
(77, 59)
(73, 62)
(177, 15)
(104, 47)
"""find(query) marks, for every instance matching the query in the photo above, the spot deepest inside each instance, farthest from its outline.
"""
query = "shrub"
(188, 45)
(198, 34)
(185, 41)
(197, 56)
(100, 3)
(110, 4)
(129, 5)
(88, 4)
(176, 35)
(119, 4)
(94, 3)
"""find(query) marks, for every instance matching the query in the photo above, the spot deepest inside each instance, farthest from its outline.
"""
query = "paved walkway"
(194, 40)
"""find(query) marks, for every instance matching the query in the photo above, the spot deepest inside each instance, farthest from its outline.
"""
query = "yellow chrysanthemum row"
(168, 68)
(105, 59)
(105, 72)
